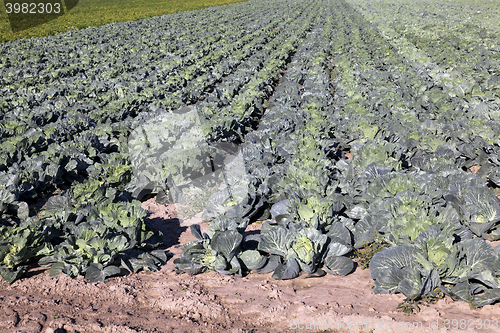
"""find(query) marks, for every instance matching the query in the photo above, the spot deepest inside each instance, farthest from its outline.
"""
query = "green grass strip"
(95, 13)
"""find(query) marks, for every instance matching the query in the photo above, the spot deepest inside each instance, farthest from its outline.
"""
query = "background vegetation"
(94, 13)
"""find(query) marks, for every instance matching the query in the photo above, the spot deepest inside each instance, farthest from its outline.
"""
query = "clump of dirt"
(165, 301)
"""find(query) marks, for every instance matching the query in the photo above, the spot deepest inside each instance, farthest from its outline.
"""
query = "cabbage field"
(337, 124)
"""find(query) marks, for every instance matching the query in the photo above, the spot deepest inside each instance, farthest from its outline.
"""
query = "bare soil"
(165, 301)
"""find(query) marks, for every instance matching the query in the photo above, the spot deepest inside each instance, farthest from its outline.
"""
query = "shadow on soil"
(170, 228)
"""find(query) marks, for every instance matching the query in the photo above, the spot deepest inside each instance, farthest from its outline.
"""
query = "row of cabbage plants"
(228, 124)
(71, 151)
(406, 184)
(99, 99)
(286, 163)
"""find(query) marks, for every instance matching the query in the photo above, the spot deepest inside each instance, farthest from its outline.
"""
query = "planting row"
(75, 155)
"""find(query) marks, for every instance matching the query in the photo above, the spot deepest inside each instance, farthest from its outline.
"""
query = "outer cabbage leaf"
(339, 265)
(396, 257)
(227, 243)
(275, 240)
(253, 260)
